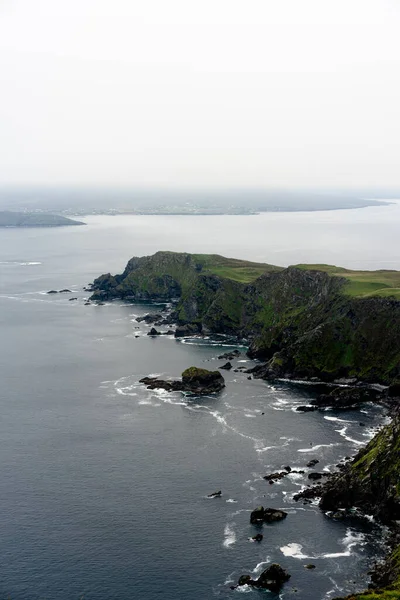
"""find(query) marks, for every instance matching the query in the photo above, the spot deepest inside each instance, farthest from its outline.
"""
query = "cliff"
(316, 321)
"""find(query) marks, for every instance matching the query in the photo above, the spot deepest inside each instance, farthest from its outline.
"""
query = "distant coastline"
(33, 219)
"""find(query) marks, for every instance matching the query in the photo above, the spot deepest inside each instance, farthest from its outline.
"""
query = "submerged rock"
(153, 332)
(258, 538)
(215, 494)
(52, 292)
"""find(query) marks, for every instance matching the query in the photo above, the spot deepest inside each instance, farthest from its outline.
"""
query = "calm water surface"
(103, 483)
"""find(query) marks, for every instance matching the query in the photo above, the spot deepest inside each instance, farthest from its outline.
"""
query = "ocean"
(104, 483)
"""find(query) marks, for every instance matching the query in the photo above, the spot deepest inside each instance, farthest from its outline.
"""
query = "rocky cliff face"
(297, 320)
(371, 481)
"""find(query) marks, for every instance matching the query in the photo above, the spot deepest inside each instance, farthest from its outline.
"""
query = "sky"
(255, 93)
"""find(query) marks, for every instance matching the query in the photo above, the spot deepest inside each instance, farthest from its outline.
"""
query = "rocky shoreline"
(301, 325)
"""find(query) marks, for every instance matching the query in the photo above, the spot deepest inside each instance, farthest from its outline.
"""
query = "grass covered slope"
(382, 283)
(316, 321)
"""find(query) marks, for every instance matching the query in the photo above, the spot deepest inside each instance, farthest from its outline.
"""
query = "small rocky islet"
(312, 322)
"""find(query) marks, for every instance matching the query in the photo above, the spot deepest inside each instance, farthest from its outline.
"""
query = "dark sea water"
(103, 483)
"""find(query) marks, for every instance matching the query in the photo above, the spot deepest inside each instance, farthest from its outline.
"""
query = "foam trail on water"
(230, 535)
(313, 448)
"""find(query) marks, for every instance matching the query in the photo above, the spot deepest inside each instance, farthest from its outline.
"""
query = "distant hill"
(27, 219)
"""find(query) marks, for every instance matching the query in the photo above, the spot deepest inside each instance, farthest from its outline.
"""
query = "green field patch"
(383, 283)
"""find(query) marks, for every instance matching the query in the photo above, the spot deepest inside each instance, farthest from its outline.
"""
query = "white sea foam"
(231, 500)
(294, 550)
(351, 539)
(244, 589)
(260, 566)
(336, 419)
(313, 448)
(230, 535)
(343, 433)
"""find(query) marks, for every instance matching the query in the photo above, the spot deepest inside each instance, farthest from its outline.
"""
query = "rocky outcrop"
(266, 515)
(371, 480)
(272, 578)
(187, 330)
(194, 380)
(347, 397)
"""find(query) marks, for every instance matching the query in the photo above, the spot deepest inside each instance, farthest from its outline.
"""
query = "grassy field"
(363, 283)
(242, 271)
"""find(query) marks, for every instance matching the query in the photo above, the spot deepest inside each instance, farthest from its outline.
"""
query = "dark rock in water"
(153, 331)
(362, 424)
(271, 515)
(288, 469)
(309, 566)
(249, 377)
(215, 494)
(227, 366)
(87, 303)
(272, 578)
(257, 515)
(169, 332)
(66, 291)
(315, 476)
(149, 318)
(244, 579)
(266, 515)
(275, 476)
(194, 380)
(258, 537)
(312, 462)
(309, 494)
(305, 408)
(52, 292)
(72, 299)
(188, 329)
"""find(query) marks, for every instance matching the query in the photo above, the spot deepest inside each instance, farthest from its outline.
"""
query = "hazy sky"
(204, 92)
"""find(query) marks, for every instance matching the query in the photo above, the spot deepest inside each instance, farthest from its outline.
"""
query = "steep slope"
(303, 322)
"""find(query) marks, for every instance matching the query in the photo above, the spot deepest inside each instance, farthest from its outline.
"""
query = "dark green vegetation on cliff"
(26, 219)
(316, 321)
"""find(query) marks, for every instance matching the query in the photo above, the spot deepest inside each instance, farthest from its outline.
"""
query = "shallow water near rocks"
(104, 484)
